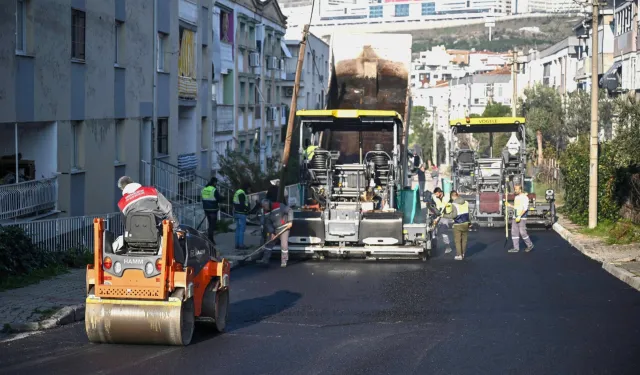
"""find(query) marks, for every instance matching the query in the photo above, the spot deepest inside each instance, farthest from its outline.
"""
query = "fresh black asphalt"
(552, 311)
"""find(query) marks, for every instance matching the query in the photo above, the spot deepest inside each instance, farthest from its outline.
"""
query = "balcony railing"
(224, 118)
(27, 198)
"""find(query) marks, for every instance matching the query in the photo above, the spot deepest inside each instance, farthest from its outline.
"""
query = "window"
(162, 48)
(21, 26)
(241, 147)
(268, 94)
(119, 38)
(204, 134)
(78, 25)
(119, 131)
(375, 11)
(77, 152)
(252, 93)
(499, 91)
(268, 146)
(162, 136)
(428, 9)
(402, 10)
(226, 26)
(243, 96)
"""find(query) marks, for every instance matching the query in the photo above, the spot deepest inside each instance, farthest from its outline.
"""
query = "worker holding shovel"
(276, 221)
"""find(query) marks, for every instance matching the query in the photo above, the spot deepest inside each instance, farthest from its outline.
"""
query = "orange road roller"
(152, 285)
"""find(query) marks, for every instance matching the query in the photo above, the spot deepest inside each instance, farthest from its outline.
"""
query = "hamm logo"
(133, 261)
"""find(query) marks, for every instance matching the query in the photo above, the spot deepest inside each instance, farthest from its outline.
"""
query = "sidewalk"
(60, 300)
(622, 261)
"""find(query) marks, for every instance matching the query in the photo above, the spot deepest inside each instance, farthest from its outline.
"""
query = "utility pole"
(292, 113)
(593, 149)
(514, 81)
(434, 149)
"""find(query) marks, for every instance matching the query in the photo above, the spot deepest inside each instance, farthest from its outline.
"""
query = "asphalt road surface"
(552, 311)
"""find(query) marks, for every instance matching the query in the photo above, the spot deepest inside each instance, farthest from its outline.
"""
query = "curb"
(613, 268)
(64, 316)
(568, 236)
(622, 274)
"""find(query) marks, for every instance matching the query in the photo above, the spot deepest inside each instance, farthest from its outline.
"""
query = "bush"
(77, 257)
(574, 165)
(18, 255)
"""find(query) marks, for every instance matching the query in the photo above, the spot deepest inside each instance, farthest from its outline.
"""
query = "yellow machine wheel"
(140, 321)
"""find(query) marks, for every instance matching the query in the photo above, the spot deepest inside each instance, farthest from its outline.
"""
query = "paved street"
(553, 311)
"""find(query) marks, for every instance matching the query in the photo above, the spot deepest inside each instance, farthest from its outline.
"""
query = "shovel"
(285, 228)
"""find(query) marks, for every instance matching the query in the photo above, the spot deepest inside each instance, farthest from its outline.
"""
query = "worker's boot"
(514, 250)
(265, 257)
(529, 248)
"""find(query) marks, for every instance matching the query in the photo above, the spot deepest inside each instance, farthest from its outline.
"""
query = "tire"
(222, 309)
(188, 321)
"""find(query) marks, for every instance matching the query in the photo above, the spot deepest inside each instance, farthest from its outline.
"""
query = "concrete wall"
(47, 86)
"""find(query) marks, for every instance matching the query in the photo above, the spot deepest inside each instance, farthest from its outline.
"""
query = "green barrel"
(447, 186)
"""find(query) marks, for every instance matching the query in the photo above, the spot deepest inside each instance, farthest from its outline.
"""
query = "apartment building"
(79, 109)
(249, 70)
(315, 71)
(471, 94)
(605, 53)
(622, 75)
(555, 67)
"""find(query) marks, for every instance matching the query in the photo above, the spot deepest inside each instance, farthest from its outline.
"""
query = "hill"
(523, 34)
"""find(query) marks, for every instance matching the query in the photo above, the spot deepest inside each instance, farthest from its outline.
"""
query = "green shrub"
(574, 165)
(77, 257)
(18, 255)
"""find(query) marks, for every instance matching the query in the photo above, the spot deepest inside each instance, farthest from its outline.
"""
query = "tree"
(542, 106)
(499, 139)
(578, 114)
(237, 169)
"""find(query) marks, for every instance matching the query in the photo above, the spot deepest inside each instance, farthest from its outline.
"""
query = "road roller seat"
(142, 232)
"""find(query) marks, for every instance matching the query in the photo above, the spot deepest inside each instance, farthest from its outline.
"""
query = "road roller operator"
(138, 198)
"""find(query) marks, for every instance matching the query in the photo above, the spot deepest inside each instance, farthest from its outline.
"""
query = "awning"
(285, 50)
(609, 79)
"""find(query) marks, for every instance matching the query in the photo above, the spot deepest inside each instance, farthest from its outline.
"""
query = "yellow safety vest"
(309, 151)
(462, 211)
(209, 202)
(236, 203)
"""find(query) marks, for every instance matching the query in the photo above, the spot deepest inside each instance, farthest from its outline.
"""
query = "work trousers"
(519, 231)
(284, 248)
(421, 183)
(241, 225)
(460, 235)
(212, 221)
(442, 228)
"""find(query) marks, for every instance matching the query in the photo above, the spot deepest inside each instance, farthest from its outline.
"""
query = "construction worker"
(421, 181)
(210, 199)
(519, 220)
(240, 212)
(458, 210)
(276, 218)
(309, 149)
(439, 202)
(138, 198)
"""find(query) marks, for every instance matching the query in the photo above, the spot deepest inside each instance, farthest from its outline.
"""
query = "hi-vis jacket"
(138, 198)
(458, 210)
(210, 199)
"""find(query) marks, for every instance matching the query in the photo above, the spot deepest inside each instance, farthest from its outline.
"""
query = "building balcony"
(187, 88)
(225, 118)
(28, 198)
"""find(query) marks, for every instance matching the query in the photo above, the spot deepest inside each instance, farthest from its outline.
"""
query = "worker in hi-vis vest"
(519, 221)
(458, 210)
(210, 205)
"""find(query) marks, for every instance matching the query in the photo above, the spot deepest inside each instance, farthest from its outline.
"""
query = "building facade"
(249, 69)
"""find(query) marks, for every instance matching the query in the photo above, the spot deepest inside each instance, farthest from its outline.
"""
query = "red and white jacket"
(138, 198)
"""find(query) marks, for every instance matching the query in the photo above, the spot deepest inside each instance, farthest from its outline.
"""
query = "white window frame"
(21, 26)
(161, 58)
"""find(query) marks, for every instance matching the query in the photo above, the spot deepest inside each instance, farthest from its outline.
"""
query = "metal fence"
(28, 197)
(66, 233)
